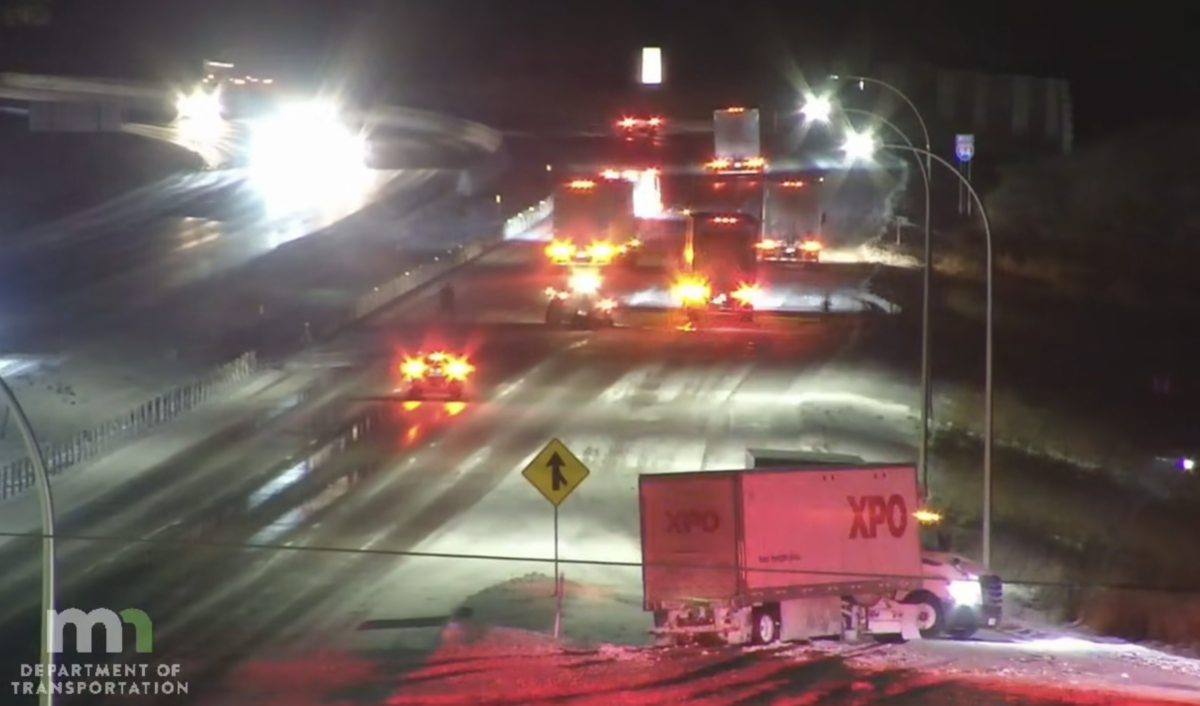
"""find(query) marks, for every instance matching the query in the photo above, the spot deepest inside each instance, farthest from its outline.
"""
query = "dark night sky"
(1126, 66)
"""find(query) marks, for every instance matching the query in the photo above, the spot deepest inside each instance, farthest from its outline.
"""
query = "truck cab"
(959, 595)
(720, 273)
(592, 219)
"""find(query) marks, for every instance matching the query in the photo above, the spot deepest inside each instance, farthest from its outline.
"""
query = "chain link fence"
(18, 476)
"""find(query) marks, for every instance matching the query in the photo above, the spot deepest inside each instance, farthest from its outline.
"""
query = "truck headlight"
(966, 592)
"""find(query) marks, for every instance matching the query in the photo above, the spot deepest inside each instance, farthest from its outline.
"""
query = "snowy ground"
(450, 626)
(102, 374)
(793, 297)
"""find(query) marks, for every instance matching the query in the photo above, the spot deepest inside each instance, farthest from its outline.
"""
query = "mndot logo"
(110, 620)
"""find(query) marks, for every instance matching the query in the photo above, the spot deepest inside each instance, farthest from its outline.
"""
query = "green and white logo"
(110, 620)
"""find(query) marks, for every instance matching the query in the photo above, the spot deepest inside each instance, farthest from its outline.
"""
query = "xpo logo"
(688, 521)
(871, 511)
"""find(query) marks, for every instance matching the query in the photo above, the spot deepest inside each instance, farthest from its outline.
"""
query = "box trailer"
(957, 596)
(737, 136)
(760, 555)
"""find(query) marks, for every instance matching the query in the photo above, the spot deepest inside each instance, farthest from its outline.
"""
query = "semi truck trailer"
(767, 554)
(801, 551)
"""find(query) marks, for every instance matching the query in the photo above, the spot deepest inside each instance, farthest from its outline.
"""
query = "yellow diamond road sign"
(555, 472)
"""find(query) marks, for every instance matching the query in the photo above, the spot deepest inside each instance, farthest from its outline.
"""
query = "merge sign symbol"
(556, 472)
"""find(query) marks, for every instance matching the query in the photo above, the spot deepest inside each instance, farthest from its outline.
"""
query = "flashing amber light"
(756, 162)
(413, 368)
(459, 369)
(725, 220)
(455, 367)
(560, 250)
(719, 164)
(793, 185)
(747, 293)
(735, 110)
(811, 246)
(927, 517)
(585, 282)
(582, 184)
(610, 174)
(602, 251)
(769, 244)
(691, 290)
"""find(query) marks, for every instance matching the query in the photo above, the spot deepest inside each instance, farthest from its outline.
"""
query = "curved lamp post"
(861, 146)
(926, 350)
(922, 166)
(46, 500)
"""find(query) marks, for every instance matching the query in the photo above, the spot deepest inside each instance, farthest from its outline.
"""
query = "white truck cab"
(960, 595)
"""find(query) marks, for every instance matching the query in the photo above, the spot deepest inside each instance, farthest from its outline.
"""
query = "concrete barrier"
(17, 477)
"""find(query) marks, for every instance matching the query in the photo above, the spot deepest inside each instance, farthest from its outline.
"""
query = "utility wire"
(844, 575)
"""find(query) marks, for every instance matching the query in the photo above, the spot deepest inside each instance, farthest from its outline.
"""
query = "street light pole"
(922, 166)
(926, 350)
(46, 501)
(989, 359)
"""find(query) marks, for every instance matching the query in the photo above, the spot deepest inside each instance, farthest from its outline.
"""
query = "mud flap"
(909, 615)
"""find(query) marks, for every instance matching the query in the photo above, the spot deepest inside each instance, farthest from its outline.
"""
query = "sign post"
(556, 472)
(964, 149)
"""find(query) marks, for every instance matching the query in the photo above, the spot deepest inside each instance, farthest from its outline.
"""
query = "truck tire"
(962, 624)
(765, 626)
(932, 619)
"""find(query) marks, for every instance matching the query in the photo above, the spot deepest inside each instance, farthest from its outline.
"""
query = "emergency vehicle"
(582, 303)
(719, 272)
(737, 142)
(792, 220)
(436, 374)
(645, 128)
(592, 220)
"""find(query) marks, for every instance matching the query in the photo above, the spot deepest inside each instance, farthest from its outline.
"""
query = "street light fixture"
(861, 146)
(880, 120)
(926, 382)
(818, 109)
(46, 507)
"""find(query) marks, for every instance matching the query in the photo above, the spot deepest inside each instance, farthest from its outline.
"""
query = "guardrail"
(17, 476)
(410, 281)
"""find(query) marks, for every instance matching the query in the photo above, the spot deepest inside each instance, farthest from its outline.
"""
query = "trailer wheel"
(766, 626)
(931, 620)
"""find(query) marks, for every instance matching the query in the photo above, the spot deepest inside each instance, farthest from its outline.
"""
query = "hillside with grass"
(1095, 300)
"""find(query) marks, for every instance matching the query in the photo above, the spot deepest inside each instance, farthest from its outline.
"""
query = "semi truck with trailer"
(761, 555)
(792, 219)
(591, 219)
(737, 141)
(959, 596)
(719, 268)
(788, 553)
